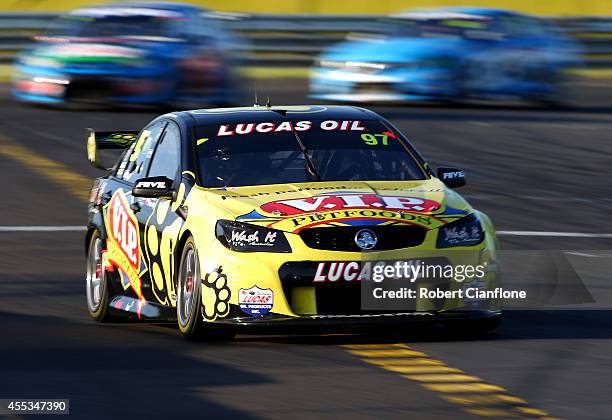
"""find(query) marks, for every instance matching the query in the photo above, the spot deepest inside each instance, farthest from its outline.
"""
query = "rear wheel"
(96, 282)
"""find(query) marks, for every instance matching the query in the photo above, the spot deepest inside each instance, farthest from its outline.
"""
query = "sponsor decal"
(354, 218)
(240, 238)
(462, 234)
(151, 184)
(453, 175)
(345, 271)
(285, 126)
(255, 301)
(429, 268)
(124, 228)
(215, 295)
(329, 202)
(123, 244)
(279, 192)
(122, 138)
(381, 139)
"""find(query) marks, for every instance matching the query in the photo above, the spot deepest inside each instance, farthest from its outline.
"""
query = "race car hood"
(394, 50)
(292, 207)
(97, 52)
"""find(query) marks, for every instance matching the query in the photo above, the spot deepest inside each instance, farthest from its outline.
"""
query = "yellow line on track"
(394, 363)
(491, 412)
(474, 395)
(371, 346)
(423, 369)
(73, 183)
(386, 353)
(450, 377)
(493, 399)
(460, 388)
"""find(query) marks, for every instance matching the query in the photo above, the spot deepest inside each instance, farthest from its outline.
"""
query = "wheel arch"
(178, 252)
(92, 226)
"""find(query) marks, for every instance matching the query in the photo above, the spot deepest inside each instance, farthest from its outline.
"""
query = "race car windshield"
(451, 26)
(108, 26)
(302, 151)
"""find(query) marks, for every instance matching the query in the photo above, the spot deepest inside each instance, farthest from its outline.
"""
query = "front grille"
(342, 238)
(344, 299)
(347, 298)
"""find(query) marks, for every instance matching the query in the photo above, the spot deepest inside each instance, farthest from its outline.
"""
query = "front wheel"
(189, 299)
(96, 281)
(188, 313)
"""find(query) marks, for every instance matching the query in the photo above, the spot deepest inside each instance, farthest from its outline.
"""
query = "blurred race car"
(449, 54)
(144, 53)
(276, 219)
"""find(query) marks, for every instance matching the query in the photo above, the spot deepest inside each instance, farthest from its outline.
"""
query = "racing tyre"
(189, 299)
(96, 282)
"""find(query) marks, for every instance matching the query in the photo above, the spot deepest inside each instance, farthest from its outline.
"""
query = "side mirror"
(452, 177)
(154, 187)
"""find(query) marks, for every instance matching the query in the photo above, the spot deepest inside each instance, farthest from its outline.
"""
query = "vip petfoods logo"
(124, 229)
(123, 245)
(354, 201)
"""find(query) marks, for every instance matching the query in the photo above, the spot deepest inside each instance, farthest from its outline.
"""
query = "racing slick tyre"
(189, 299)
(96, 281)
(472, 328)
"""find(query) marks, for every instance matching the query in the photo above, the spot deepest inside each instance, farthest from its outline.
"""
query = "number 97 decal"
(377, 139)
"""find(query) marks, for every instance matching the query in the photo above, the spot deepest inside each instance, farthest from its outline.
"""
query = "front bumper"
(45, 85)
(338, 324)
(394, 86)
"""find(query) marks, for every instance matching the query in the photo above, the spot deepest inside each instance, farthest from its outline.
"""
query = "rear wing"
(104, 140)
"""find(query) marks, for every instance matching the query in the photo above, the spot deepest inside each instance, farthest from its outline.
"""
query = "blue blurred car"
(131, 53)
(449, 54)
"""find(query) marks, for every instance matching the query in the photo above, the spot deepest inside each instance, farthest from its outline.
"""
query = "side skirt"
(135, 309)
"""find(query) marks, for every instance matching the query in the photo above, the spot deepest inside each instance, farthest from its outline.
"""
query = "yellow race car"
(284, 219)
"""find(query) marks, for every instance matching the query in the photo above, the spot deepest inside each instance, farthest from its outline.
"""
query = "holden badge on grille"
(366, 239)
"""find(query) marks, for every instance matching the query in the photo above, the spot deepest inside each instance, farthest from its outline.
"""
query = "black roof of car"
(276, 113)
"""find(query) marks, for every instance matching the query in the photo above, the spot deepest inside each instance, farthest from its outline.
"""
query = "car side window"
(166, 159)
(125, 158)
(137, 160)
(519, 26)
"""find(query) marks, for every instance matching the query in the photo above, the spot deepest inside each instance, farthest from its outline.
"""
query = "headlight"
(332, 64)
(242, 237)
(463, 232)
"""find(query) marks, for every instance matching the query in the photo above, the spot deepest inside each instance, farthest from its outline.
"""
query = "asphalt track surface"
(530, 169)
